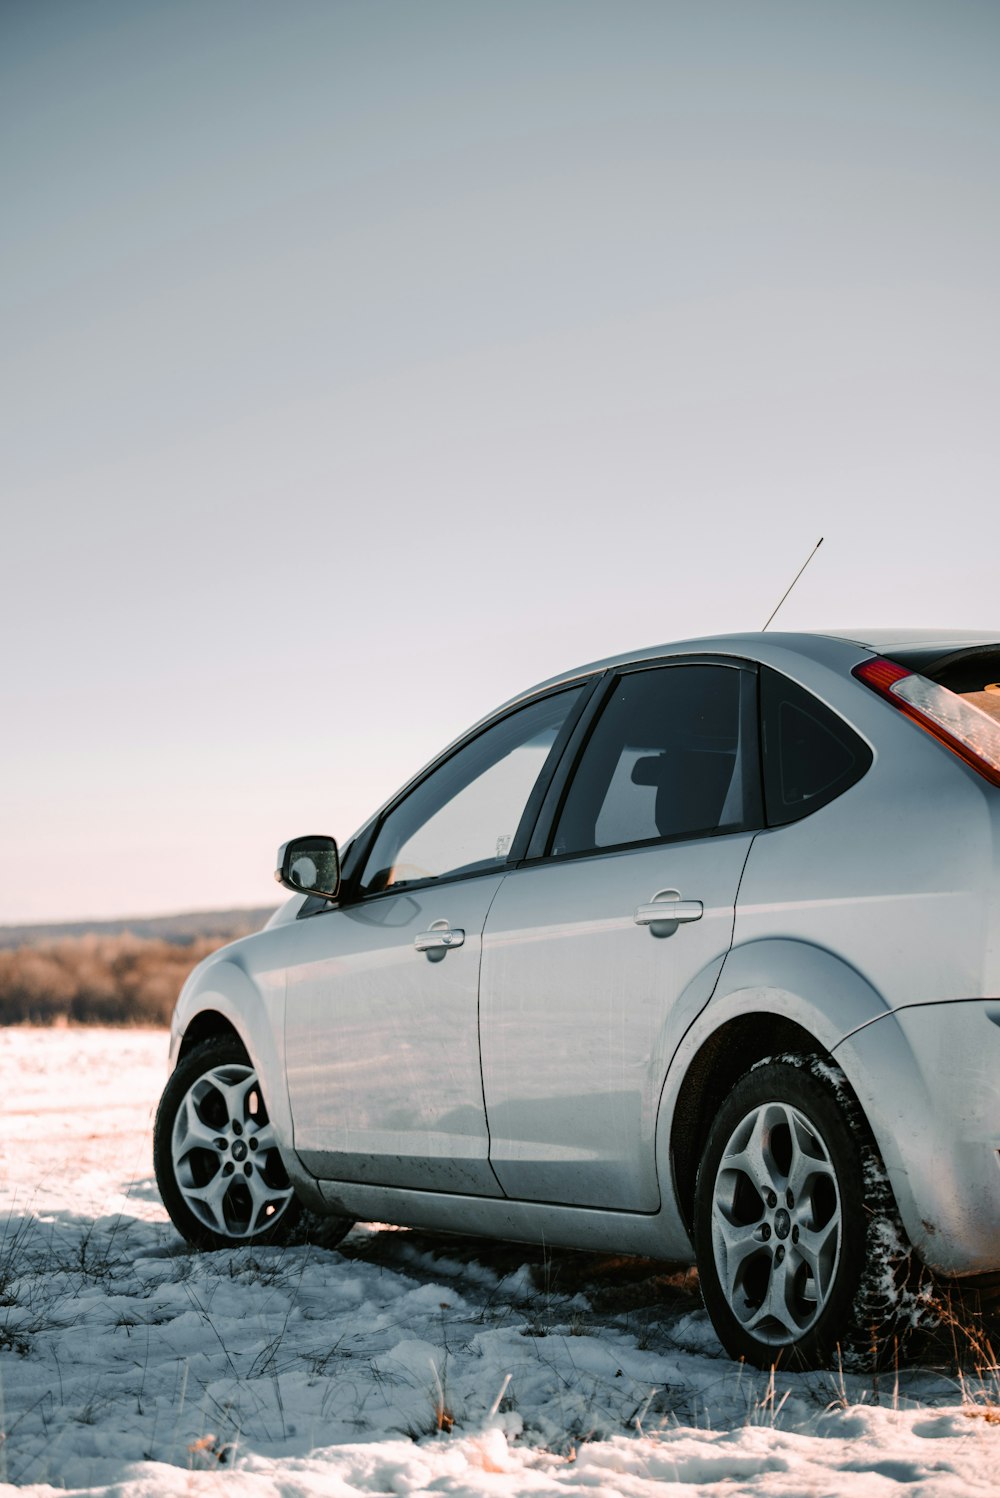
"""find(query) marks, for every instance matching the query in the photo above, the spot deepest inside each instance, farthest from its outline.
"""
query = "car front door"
(598, 954)
(381, 1007)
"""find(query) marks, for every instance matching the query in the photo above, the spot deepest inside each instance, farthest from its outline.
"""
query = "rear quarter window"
(810, 755)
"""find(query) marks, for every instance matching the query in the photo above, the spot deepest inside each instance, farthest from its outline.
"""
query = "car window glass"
(666, 759)
(811, 755)
(463, 817)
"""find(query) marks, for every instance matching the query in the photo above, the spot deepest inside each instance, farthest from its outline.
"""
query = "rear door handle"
(440, 937)
(667, 905)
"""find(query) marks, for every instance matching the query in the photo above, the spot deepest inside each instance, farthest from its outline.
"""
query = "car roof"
(814, 645)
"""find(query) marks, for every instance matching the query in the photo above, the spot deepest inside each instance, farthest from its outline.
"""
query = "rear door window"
(671, 756)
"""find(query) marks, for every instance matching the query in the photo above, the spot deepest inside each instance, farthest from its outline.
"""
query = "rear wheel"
(801, 1255)
(217, 1162)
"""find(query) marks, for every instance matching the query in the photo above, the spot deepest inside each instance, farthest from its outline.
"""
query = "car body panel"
(928, 1079)
(568, 974)
(794, 980)
(909, 916)
(382, 1042)
(897, 875)
(660, 1235)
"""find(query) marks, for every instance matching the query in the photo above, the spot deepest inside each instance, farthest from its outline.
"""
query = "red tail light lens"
(969, 732)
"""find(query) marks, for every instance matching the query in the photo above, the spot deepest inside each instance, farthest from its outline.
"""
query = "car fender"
(777, 979)
(253, 1005)
(800, 981)
(836, 1004)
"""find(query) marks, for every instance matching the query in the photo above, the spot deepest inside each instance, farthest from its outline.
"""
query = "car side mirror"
(310, 866)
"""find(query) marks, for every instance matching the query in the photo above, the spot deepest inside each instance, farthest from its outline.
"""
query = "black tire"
(808, 1282)
(219, 1171)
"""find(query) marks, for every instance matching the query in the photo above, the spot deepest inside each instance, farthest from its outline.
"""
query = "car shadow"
(610, 1282)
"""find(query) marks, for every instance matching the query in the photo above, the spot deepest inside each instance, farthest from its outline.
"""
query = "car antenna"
(795, 579)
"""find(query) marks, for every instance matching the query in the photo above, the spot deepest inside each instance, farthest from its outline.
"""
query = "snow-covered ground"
(399, 1363)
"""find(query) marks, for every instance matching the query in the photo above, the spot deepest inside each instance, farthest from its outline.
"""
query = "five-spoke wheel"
(794, 1221)
(217, 1162)
(776, 1223)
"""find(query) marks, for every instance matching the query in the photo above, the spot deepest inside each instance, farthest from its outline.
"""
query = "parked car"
(691, 952)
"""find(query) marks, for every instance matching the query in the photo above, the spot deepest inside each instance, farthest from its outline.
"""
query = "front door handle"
(440, 938)
(667, 905)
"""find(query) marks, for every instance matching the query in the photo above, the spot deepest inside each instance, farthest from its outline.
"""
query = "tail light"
(969, 732)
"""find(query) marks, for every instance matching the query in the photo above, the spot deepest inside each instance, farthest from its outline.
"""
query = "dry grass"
(964, 1343)
(97, 980)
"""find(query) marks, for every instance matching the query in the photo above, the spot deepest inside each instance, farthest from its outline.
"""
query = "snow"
(398, 1363)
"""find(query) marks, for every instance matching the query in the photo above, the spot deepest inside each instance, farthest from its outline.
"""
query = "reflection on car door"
(585, 990)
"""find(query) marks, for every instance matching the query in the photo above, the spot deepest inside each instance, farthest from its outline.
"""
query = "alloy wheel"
(777, 1223)
(224, 1155)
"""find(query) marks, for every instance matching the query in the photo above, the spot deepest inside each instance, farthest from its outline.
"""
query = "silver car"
(689, 953)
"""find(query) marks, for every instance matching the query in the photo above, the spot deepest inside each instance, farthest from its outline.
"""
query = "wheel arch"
(222, 998)
(716, 1066)
(773, 995)
(207, 1024)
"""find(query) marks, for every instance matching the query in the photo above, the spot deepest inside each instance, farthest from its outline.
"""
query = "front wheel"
(217, 1163)
(800, 1252)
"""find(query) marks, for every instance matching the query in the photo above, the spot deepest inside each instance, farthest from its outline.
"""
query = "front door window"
(463, 817)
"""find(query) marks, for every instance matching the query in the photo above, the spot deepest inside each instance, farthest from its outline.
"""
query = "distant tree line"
(97, 980)
(183, 928)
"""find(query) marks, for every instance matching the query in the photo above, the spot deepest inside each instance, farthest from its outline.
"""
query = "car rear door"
(598, 953)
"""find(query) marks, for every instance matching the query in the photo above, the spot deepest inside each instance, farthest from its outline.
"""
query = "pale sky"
(365, 363)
